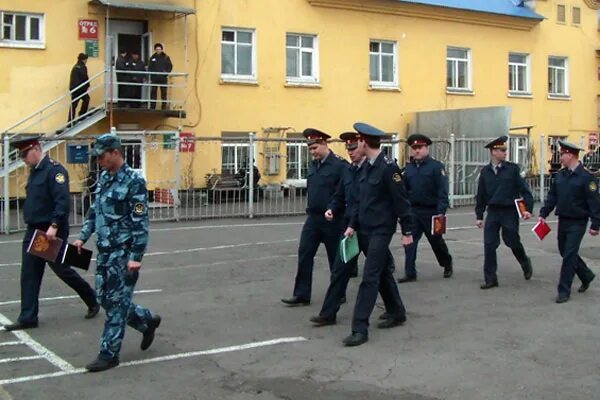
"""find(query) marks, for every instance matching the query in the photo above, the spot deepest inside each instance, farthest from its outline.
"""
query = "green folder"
(349, 248)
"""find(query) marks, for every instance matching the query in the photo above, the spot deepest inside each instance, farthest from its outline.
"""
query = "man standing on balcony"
(158, 66)
(46, 208)
(500, 184)
(137, 77)
(119, 218)
(121, 68)
(78, 86)
(574, 194)
(324, 174)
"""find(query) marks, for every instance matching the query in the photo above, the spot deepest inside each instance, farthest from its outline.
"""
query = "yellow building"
(275, 67)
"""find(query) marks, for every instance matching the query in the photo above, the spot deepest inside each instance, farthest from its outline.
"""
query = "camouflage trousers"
(114, 290)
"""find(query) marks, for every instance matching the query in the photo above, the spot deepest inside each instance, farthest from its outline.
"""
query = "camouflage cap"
(108, 141)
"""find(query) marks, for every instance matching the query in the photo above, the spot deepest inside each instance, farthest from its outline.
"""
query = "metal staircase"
(50, 121)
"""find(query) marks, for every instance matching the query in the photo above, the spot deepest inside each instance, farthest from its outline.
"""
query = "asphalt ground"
(225, 334)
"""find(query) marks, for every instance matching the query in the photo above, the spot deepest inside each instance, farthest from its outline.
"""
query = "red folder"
(521, 207)
(541, 230)
(438, 224)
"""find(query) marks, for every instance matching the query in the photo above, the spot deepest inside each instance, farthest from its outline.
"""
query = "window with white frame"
(561, 13)
(21, 29)
(238, 58)
(298, 159)
(558, 72)
(388, 150)
(234, 156)
(458, 69)
(383, 70)
(302, 58)
(518, 73)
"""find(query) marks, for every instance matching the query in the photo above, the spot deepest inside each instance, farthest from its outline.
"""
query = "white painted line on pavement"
(38, 348)
(5, 303)
(14, 343)
(160, 359)
(16, 359)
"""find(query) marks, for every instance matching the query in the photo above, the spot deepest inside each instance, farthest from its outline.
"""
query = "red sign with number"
(187, 144)
(88, 29)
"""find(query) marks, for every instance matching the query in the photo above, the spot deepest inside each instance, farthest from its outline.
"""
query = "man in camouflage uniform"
(119, 217)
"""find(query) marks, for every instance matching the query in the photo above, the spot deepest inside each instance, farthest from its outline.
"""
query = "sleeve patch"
(138, 209)
(593, 186)
(60, 178)
(397, 178)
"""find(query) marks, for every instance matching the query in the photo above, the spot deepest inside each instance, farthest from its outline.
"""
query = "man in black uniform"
(46, 208)
(159, 62)
(427, 185)
(343, 201)
(79, 76)
(574, 194)
(500, 184)
(324, 174)
(136, 65)
(382, 202)
(121, 67)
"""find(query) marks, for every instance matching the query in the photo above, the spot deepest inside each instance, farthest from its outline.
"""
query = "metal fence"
(240, 175)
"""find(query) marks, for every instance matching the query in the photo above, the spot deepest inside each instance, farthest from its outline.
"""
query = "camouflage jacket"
(119, 216)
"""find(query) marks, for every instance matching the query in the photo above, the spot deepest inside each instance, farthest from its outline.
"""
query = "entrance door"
(124, 34)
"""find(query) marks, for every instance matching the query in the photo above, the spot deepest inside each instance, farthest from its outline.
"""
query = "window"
(561, 13)
(238, 59)
(558, 82)
(234, 156)
(21, 30)
(388, 150)
(133, 152)
(518, 73)
(383, 64)
(298, 159)
(458, 68)
(302, 58)
(576, 15)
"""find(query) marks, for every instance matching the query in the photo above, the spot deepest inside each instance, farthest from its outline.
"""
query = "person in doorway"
(137, 77)
(121, 68)
(78, 86)
(46, 208)
(159, 66)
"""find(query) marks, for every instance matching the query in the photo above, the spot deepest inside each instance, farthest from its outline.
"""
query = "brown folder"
(44, 248)
(438, 224)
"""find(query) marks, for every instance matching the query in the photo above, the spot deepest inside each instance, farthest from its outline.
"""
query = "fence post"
(250, 174)
(451, 170)
(177, 176)
(6, 180)
(542, 167)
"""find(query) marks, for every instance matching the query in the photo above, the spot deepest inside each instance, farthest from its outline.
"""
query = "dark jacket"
(427, 185)
(501, 190)
(344, 199)
(47, 199)
(79, 74)
(159, 63)
(323, 179)
(382, 199)
(574, 195)
(137, 66)
(122, 64)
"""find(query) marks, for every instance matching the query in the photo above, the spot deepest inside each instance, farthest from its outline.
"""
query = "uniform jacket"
(323, 179)
(427, 184)
(159, 63)
(79, 74)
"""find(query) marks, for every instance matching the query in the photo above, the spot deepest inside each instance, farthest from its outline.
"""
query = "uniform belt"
(417, 205)
(499, 207)
(573, 218)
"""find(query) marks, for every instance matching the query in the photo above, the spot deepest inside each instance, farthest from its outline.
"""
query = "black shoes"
(355, 339)
(527, 269)
(405, 279)
(585, 285)
(391, 322)
(343, 300)
(17, 326)
(100, 364)
(92, 311)
(295, 302)
(318, 320)
(448, 271)
(562, 299)
(385, 315)
(489, 285)
(149, 334)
